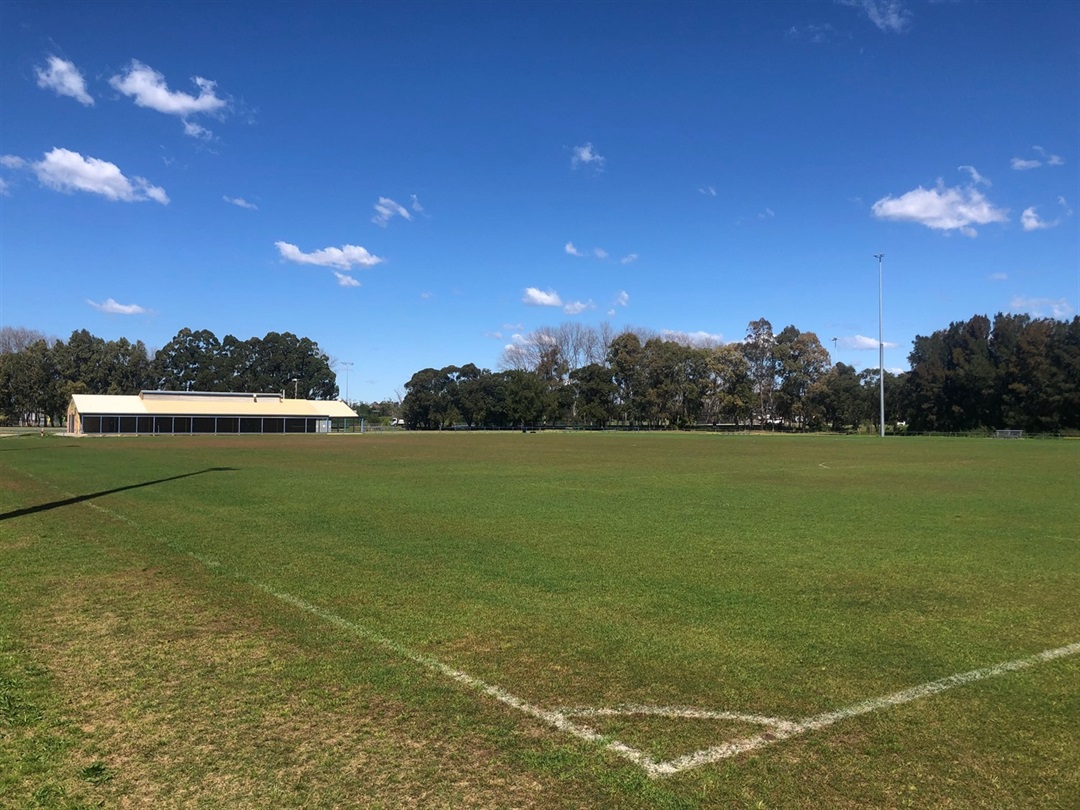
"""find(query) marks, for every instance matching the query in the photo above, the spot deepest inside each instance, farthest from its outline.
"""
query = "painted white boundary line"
(779, 729)
(819, 721)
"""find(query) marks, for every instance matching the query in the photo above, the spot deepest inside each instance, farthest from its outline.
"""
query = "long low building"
(162, 412)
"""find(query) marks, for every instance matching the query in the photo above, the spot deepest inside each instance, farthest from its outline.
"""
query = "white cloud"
(623, 298)
(148, 89)
(587, 156)
(698, 339)
(600, 253)
(1031, 221)
(814, 33)
(998, 277)
(1020, 164)
(4, 187)
(629, 258)
(345, 280)
(240, 202)
(940, 208)
(862, 343)
(576, 307)
(12, 161)
(766, 214)
(67, 171)
(974, 173)
(386, 209)
(708, 191)
(1039, 307)
(416, 206)
(111, 307)
(891, 16)
(538, 298)
(573, 251)
(197, 131)
(343, 257)
(63, 78)
(1051, 160)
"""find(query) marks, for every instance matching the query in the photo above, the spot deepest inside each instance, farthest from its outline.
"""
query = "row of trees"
(1014, 372)
(572, 374)
(38, 375)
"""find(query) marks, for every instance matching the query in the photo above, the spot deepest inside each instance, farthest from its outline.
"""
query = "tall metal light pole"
(881, 346)
(348, 364)
(295, 384)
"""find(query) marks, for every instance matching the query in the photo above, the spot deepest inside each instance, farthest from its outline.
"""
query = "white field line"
(820, 721)
(556, 719)
(684, 712)
(779, 729)
(553, 718)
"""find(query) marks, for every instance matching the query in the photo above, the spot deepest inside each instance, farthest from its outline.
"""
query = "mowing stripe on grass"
(778, 728)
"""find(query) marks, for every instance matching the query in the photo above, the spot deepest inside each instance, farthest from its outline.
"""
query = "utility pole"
(348, 364)
(881, 345)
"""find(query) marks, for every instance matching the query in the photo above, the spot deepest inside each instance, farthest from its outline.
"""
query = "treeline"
(573, 374)
(38, 374)
(1017, 372)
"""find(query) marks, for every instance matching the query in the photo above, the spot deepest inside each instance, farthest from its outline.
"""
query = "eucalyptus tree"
(595, 393)
(126, 366)
(800, 361)
(32, 390)
(729, 392)
(839, 398)
(625, 358)
(758, 348)
(425, 403)
(189, 362)
(82, 363)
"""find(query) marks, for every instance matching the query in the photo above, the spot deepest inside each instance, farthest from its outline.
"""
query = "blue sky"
(415, 184)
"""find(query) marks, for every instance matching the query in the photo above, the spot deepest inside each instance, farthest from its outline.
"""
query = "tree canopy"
(1012, 371)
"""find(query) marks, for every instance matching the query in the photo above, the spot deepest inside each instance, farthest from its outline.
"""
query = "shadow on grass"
(19, 449)
(44, 507)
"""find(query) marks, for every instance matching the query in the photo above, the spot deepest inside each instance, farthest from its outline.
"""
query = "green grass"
(783, 576)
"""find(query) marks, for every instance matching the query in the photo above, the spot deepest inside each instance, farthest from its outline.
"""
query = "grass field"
(509, 620)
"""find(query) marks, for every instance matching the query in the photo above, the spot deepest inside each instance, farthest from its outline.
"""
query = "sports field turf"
(539, 620)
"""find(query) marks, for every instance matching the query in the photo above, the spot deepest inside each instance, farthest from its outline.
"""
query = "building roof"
(207, 403)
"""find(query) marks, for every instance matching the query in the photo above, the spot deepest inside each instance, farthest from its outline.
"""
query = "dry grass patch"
(178, 704)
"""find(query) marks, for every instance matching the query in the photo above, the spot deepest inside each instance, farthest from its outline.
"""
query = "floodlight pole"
(295, 383)
(881, 346)
(348, 364)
